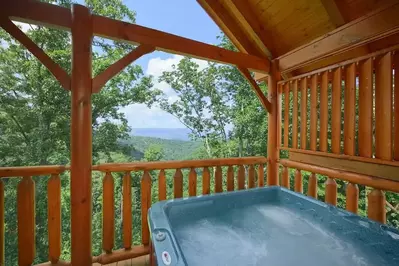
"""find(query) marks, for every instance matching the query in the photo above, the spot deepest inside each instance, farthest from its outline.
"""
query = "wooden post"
(272, 152)
(349, 109)
(331, 191)
(2, 258)
(261, 176)
(206, 181)
(376, 206)
(352, 197)
(54, 217)
(251, 176)
(286, 113)
(298, 181)
(162, 185)
(395, 58)
(336, 111)
(285, 179)
(218, 179)
(81, 136)
(323, 112)
(178, 184)
(192, 183)
(304, 122)
(108, 213)
(127, 211)
(145, 205)
(313, 112)
(230, 178)
(312, 186)
(295, 115)
(241, 177)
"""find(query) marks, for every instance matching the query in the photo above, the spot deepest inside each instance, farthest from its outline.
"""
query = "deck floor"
(140, 261)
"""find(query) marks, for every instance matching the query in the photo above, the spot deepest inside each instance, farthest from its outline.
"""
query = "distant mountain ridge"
(162, 133)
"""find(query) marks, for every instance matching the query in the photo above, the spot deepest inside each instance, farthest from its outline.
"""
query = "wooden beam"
(265, 102)
(229, 25)
(364, 168)
(60, 17)
(102, 78)
(376, 25)
(333, 12)
(81, 136)
(58, 72)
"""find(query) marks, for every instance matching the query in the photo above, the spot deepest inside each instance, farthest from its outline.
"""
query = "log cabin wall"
(344, 125)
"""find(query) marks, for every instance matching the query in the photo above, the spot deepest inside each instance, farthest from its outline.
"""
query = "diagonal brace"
(265, 102)
(58, 72)
(102, 78)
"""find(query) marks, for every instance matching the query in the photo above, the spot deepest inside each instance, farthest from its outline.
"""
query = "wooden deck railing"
(362, 92)
(243, 170)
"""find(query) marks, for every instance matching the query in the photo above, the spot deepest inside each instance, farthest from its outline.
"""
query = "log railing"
(353, 129)
(217, 175)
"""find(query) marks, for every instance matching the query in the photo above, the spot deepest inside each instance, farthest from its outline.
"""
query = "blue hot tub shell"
(266, 226)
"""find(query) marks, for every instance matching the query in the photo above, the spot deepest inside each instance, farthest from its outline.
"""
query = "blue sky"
(180, 17)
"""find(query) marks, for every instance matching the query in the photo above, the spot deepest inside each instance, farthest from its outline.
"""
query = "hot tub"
(266, 226)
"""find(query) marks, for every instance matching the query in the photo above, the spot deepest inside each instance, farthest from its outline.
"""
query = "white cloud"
(25, 26)
(139, 115)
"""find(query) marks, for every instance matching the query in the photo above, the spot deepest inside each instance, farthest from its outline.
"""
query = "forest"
(216, 104)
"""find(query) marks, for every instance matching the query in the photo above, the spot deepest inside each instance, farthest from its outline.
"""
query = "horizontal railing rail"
(225, 174)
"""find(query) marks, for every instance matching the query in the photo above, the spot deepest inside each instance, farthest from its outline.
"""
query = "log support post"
(272, 151)
(81, 136)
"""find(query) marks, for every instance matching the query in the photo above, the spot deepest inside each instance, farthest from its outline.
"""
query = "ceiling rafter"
(334, 12)
(230, 26)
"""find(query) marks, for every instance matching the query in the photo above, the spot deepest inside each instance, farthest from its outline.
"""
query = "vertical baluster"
(230, 178)
(127, 211)
(349, 110)
(331, 191)
(336, 111)
(304, 102)
(54, 217)
(285, 179)
(323, 112)
(178, 184)
(298, 181)
(108, 213)
(251, 176)
(395, 58)
(312, 186)
(206, 181)
(241, 177)
(313, 113)
(376, 206)
(192, 183)
(383, 108)
(352, 197)
(261, 176)
(295, 115)
(145, 205)
(365, 108)
(2, 258)
(26, 221)
(162, 185)
(286, 113)
(279, 115)
(218, 179)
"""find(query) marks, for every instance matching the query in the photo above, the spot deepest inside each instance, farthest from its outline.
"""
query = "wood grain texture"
(313, 112)
(323, 143)
(261, 176)
(395, 59)
(336, 111)
(366, 180)
(286, 113)
(26, 221)
(230, 178)
(108, 213)
(331, 191)
(366, 108)
(352, 197)
(54, 217)
(312, 186)
(251, 176)
(145, 205)
(218, 180)
(349, 110)
(304, 101)
(192, 183)
(127, 210)
(383, 107)
(241, 177)
(295, 114)
(298, 181)
(81, 136)
(206, 181)
(178, 184)
(376, 206)
(285, 179)
(162, 185)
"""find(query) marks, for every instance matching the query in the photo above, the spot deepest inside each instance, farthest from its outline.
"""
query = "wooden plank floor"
(140, 261)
